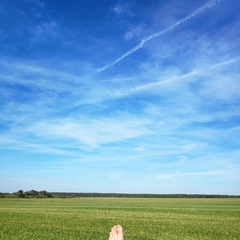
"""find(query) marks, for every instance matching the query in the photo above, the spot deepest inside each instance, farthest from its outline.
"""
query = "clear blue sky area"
(137, 96)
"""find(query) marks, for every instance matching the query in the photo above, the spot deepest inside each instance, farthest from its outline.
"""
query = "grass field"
(142, 219)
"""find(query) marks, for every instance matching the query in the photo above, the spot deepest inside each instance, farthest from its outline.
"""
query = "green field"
(142, 219)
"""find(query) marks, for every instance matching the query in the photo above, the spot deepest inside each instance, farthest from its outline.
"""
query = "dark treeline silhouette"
(27, 194)
(128, 195)
(45, 194)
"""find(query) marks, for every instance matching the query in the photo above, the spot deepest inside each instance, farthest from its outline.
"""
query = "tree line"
(45, 194)
(126, 195)
(27, 194)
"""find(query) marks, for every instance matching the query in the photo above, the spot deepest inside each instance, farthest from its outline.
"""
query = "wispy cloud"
(230, 61)
(188, 174)
(46, 31)
(133, 32)
(94, 132)
(165, 82)
(122, 8)
(193, 14)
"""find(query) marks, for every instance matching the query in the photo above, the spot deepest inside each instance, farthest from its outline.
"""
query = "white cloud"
(46, 31)
(134, 31)
(23, 143)
(118, 9)
(122, 8)
(191, 15)
(39, 3)
(164, 84)
(188, 175)
(230, 61)
(93, 132)
(115, 175)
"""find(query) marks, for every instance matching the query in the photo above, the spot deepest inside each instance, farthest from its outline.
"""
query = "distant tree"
(27, 194)
(33, 193)
(44, 194)
(19, 194)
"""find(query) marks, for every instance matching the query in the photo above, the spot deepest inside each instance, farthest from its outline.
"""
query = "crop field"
(141, 218)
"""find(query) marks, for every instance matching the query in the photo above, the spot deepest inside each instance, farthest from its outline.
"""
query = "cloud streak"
(188, 174)
(94, 132)
(221, 64)
(170, 81)
(193, 14)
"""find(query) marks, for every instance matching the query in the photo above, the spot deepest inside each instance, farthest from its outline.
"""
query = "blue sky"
(120, 96)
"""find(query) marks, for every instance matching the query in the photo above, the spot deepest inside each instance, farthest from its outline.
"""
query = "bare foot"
(116, 233)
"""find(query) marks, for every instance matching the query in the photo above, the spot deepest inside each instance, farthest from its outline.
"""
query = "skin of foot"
(116, 233)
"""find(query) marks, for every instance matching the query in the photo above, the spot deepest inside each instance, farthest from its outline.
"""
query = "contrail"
(233, 60)
(193, 14)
